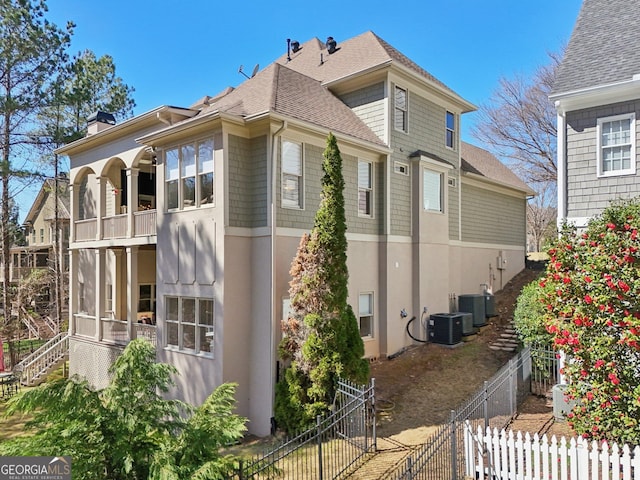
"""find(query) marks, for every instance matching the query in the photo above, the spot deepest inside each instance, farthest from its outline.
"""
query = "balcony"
(114, 331)
(117, 226)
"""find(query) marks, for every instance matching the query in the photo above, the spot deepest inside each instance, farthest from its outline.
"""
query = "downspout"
(272, 336)
(561, 165)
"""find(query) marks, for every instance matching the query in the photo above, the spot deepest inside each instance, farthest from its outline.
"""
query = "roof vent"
(99, 121)
(295, 46)
(331, 45)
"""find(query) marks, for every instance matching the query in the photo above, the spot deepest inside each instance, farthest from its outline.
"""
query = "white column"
(561, 167)
(101, 182)
(74, 196)
(99, 287)
(132, 198)
(73, 296)
(132, 289)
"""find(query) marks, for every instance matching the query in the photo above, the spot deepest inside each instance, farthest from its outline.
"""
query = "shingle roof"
(604, 46)
(279, 89)
(363, 52)
(481, 162)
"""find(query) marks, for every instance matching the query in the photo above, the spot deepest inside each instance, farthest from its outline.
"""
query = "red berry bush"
(591, 297)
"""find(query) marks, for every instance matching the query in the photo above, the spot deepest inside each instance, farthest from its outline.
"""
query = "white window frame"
(199, 328)
(287, 175)
(366, 315)
(366, 189)
(403, 110)
(631, 143)
(151, 298)
(181, 173)
(450, 130)
(427, 207)
(401, 168)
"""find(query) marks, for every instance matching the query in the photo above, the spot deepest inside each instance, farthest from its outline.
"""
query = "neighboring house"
(192, 216)
(597, 97)
(40, 226)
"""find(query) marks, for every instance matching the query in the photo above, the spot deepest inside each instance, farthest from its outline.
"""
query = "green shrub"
(528, 317)
(590, 294)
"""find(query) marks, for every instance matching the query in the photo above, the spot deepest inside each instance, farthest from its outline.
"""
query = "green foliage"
(322, 339)
(128, 430)
(528, 317)
(590, 292)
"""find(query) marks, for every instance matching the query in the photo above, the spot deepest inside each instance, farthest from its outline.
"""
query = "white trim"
(597, 96)
(301, 186)
(561, 122)
(370, 189)
(398, 166)
(632, 135)
(371, 315)
(497, 246)
(406, 108)
(579, 222)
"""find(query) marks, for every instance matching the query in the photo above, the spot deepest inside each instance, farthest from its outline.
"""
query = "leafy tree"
(519, 123)
(541, 225)
(128, 430)
(528, 318)
(322, 339)
(590, 293)
(32, 50)
(87, 84)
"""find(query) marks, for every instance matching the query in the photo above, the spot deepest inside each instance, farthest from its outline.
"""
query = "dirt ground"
(416, 391)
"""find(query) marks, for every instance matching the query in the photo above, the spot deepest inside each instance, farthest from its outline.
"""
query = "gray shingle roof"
(280, 90)
(604, 47)
(482, 162)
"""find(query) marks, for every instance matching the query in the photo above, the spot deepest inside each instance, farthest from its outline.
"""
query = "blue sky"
(173, 52)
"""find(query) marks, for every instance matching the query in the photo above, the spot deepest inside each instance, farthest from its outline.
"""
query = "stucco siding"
(368, 104)
(248, 181)
(492, 217)
(588, 194)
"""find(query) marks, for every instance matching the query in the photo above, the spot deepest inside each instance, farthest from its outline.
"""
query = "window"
(189, 175)
(450, 130)
(292, 179)
(432, 190)
(189, 324)
(108, 304)
(147, 298)
(42, 235)
(400, 109)
(365, 188)
(616, 145)
(366, 314)
(33, 237)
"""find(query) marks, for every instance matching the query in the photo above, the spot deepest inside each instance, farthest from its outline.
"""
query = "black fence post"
(454, 447)
(319, 437)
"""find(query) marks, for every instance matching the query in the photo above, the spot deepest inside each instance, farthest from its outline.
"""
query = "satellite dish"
(253, 74)
(255, 70)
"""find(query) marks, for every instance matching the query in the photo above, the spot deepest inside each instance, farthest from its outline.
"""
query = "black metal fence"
(333, 449)
(441, 457)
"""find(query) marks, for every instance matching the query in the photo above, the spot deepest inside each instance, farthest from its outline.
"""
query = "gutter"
(272, 333)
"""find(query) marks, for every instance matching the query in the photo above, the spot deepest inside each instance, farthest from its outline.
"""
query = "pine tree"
(322, 339)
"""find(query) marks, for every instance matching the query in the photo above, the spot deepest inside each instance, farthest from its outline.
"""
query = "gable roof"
(278, 89)
(359, 54)
(63, 200)
(603, 48)
(481, 162)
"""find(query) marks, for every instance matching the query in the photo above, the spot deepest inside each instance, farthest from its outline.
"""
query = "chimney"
(99, 121)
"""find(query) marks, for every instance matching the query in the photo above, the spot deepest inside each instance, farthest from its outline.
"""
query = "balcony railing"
(144, 223)
(115, 330)
(146, 331)
(85, 325)
(86, 229)
(114, 227)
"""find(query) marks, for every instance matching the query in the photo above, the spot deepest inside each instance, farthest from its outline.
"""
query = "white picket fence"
(494, 455)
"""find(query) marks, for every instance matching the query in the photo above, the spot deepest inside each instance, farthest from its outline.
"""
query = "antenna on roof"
(253, 73)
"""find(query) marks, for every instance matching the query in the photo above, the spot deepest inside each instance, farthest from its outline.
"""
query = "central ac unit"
(445, 328)
(474, 304)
